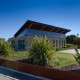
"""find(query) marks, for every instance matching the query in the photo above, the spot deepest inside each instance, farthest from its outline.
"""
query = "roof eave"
(28, 24)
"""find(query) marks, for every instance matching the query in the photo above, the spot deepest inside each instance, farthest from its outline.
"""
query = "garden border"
(40, 71)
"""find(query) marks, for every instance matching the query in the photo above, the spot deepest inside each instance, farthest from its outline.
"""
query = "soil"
(72, 67)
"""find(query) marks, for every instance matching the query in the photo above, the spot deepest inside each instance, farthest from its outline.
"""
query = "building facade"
(24, 36)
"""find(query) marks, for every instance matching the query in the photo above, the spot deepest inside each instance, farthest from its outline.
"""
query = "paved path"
(71, 51)
(5, 77)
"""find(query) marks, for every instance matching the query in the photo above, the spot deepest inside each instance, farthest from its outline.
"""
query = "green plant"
(77, 57)
(58, 49)
(5, 48)
(63, 59)
(40, 51)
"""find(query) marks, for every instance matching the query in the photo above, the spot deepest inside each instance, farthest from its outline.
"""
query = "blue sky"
(61, 13)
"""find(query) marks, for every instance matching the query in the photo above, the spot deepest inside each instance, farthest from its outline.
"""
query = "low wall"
(40, 71)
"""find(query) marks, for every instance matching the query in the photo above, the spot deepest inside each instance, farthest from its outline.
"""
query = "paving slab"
(5, 77)
(71, 51)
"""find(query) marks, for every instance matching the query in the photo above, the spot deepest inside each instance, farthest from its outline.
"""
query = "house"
(24, 36)
(2, 39)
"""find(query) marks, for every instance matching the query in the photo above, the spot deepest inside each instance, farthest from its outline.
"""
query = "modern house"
(24, 36)
(2, 39)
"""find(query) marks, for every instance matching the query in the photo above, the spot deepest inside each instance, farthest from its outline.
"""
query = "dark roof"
(40, 26)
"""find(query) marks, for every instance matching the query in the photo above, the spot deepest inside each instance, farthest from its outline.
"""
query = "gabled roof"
(40, 26)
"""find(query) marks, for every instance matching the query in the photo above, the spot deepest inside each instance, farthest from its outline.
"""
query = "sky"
(61, 13)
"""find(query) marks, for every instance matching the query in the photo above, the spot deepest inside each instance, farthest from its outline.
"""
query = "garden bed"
(71, 67)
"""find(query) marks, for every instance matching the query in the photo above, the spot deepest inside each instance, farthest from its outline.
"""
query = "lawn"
(16, 55)
(64, 59)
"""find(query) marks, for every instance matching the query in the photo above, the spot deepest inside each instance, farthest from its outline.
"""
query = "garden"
(41, 53)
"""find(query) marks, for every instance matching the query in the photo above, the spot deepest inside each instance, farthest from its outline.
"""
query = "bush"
(69, 46)
(40, 52)
(58, 49)
(64, 48)
(77, 57)
(5, 48)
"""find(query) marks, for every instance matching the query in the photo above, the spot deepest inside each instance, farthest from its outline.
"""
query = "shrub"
(40, 52)
(69, 46)
(63, 48)
(58, 49)
(77, 57)
(5, 48)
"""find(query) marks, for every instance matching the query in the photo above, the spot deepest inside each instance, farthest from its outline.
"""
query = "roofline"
(47, 25)
(25, 25)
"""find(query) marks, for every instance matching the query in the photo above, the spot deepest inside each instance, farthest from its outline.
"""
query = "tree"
(40, 51)
(71, 39)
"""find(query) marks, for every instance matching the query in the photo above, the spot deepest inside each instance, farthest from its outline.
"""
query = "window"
(54, 43)
(64, 43)
(13, 44)
(21, 44)
(59, 43)
(34, 32)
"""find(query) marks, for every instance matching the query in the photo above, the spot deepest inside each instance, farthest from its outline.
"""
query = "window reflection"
(34, 32)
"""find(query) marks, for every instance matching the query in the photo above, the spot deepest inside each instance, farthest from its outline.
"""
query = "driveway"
(71, 51)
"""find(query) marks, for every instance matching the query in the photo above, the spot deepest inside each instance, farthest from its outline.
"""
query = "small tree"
(40, 51)
(5, 48)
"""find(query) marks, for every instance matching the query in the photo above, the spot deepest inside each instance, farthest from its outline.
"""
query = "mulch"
(72, 67)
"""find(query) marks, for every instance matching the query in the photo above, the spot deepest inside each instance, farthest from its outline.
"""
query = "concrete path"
(71, 51)
(5, 77)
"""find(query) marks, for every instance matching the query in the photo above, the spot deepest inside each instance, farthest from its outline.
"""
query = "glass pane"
(34, 32)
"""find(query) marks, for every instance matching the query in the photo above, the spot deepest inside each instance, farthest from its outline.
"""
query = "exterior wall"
(57, 42)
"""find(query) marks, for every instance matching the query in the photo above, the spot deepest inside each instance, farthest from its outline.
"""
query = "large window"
(56, 43)
(34, 32)
(59, 43)
(21, 44)
(64, 43)
(13, 44)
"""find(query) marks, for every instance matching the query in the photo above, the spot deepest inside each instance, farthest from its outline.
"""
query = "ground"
(70, 51)
(63, 58)
(5, 77)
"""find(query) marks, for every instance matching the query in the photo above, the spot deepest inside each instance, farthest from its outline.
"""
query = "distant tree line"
(73, 39)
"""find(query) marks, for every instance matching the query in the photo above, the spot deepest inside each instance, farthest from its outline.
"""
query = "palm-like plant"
(5, 48)
(39, 52)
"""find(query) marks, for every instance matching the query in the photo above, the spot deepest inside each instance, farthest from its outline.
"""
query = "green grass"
(61, 59)
(64, 59)
(17, 54)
